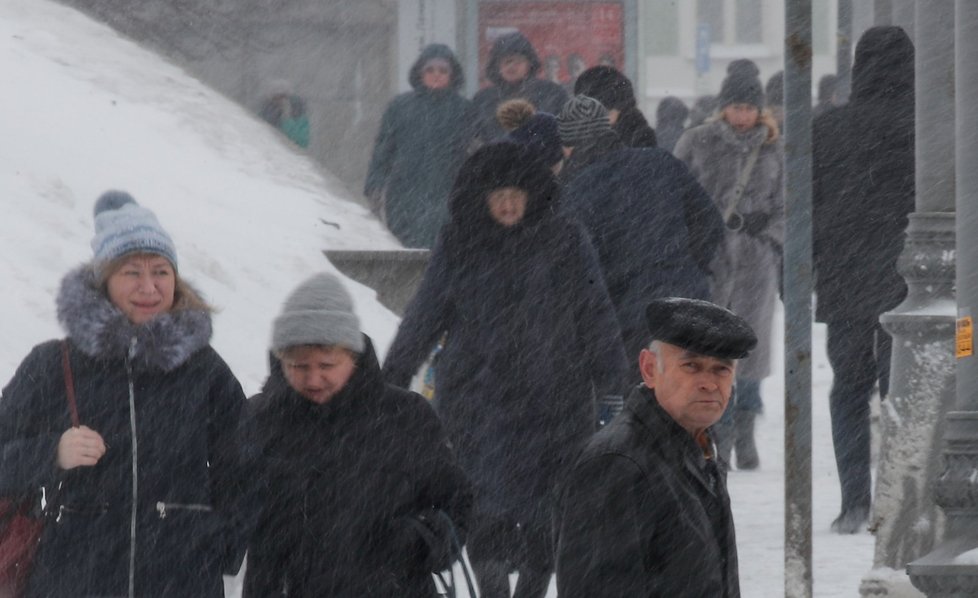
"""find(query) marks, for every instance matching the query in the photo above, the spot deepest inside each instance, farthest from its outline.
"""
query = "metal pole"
(950, 569)
(798, 299)
(471, 47)
(843, 52)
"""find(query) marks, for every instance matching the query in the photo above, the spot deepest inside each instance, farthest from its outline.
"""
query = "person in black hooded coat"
(361, 491)
(609, 86)
(863, 191)
(420, 145)
(531, 339)
(511, 81)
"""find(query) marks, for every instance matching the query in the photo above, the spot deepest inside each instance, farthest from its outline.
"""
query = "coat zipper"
(163, 507)
(135, 469)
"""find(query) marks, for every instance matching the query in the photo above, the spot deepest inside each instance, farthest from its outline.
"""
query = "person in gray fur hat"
(148, 481)
(347, 461)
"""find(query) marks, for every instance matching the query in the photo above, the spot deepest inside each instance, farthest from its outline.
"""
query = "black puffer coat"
(167, 407)
(531, 337)
(644, 514)
(863, 182)
(339, 482)
(546, 96)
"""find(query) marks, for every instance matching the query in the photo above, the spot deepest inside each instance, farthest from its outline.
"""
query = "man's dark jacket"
(654, 226)
(644, 514)
(340, 482)
(863, 183)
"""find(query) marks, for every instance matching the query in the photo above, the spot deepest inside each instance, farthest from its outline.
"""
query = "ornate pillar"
(951, 569)
(905, 517)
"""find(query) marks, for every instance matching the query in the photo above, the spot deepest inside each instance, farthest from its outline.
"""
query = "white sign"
(419, 23)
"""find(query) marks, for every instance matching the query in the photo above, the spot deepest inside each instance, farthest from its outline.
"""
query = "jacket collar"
(100, 330)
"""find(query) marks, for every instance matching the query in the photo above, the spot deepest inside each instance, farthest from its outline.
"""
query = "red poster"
(568, 36)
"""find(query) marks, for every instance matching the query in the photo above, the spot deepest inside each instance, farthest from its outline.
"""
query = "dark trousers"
(859, 352)
(498, 546)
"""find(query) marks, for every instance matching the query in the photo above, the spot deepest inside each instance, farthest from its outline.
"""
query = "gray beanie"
(318, 312)
(581, 119)
(122, 227)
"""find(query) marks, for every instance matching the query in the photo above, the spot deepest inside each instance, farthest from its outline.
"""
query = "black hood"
(494, 166)
(511, 43)
(436, 51)
(883, 66)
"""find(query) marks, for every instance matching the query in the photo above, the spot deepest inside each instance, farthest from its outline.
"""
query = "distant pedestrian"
(774, 97)
(863, 191)
(514, 113)
(539, 134)
(738, 158)
(670, 121)
(512, 71)
(645, 510)
(655, 229)
(420, 145)
(613, 89)
(531, 341)
(826, 95)
(360, 489)
(286, 111)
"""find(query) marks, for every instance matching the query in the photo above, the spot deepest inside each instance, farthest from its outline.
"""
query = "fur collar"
(100, 330)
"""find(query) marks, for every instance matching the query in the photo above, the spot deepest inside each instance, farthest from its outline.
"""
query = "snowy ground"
(87, 111)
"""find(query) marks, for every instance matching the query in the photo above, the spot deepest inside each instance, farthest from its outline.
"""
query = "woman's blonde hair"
(513, 114)
(185, 297)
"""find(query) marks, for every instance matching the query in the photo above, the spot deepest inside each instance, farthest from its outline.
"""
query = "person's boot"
(851, 520)
(746, 449)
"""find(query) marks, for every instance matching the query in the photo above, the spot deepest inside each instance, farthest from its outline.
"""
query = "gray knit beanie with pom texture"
(318, 312)
(123, 227)
(581, 119)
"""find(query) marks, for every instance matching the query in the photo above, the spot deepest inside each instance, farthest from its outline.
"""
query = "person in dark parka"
(530, 340)
(512, 71)
(670, 120)
(360, 488)
(645, 511)
(421, 143)
(614, 90)
(151, 481)
(863, 190)
(655, 228)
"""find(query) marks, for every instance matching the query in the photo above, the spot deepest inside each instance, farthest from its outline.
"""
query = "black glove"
(754, 222)
(425, 540)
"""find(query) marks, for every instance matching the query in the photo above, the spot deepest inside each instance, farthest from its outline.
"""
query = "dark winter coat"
(654, 227)
(645, 514)
(546, 96)
(168, 409)
(745, 269)
(420, 145)
(633, 129)
(863, 183)
(341, 481)
(531, 339)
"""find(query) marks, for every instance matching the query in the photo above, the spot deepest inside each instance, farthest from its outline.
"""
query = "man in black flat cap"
(645, 510)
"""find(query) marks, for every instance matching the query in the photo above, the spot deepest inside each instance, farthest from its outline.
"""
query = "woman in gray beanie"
(146, 483)
(737, 157)
(360, 491)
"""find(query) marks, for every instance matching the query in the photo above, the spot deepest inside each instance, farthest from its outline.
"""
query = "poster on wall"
(569, 37)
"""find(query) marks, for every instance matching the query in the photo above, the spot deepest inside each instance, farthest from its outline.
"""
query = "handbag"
(21, 519)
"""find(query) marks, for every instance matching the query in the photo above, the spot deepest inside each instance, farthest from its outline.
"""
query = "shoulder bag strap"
(69, 385)
(742, 181)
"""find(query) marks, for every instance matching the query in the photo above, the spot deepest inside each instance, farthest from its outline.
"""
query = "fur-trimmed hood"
(101, 330)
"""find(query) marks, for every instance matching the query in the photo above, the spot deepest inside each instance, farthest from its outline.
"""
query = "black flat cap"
(701, 327)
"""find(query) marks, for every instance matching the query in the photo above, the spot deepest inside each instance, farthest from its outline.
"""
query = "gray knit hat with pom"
(123, 227)
(581, 119)
(318, 312)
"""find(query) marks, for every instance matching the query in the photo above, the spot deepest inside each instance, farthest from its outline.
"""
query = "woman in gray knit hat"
(360, 491)
(145, 481)
(737, 157)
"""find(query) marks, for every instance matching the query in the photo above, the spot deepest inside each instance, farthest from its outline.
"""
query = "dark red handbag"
(21, 521)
